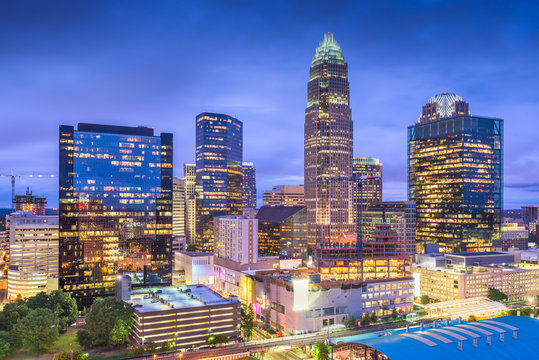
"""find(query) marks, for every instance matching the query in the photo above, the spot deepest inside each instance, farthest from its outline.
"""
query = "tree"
(496, 295)
(166, 346)
(139, 351)
(353, 321)
(471, 318)
(108, 322)
(4, 349)
(151, 347)
(247, 322)
(63, 306)
(11, 314)
(374, 318)
(424, 299)
(191, 247)
(527, 311)
(320, 351)
(345, 321)
(76, 355)
(394, 314)
(84, 339)
(37, 330)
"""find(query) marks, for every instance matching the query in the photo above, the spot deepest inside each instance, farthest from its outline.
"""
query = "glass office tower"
(249, 185)
(219, 175)
(367, 189)
(328, 146)
(455, 176)
(115, 208)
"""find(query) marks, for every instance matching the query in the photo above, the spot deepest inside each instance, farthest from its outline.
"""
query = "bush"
(496, 295)
(139, 351)
(151, 347)
(77, 355)
(471, 318)
(166, 346)
(4, 349)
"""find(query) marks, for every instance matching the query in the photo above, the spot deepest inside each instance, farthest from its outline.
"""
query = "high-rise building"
(249, 185)
(400, 215)
(367, 188)
(189, 174)
(29, 202)
(284, 195)
(33, 248)
(236, 239)
(282, 231)
(219, 175)
(178, 207)
(115, 208)
(530, 215)
(328, 146)
(455, 176)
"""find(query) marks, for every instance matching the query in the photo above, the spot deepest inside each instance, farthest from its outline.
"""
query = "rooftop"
(509, 336)
(113, 129)
(181, 297)
(276, 214)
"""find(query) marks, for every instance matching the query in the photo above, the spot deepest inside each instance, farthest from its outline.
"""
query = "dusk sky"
(160, 63)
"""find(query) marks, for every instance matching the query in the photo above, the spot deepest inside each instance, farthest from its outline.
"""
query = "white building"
(197, 267)
(236, 239)
(33, 254)
(178, 207)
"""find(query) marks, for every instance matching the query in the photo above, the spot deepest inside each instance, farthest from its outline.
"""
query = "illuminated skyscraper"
(328, 146)
(178, 207)
(249, 185)
(368, 172)
(455, 176)
(29, 202)
(189, 174)
(115, 208)
(219, 175)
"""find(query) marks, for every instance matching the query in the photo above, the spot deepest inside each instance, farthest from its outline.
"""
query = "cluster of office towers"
(118, 194)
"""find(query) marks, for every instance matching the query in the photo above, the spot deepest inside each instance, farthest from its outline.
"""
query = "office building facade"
(178, 207)
(455, 176)
(249, 185)
(219, 175)
(367, 182)
(33, 254)
(115, 208)
(399, 214)
(189, 175)
(328, 146)
(284, 195)
(236, 239)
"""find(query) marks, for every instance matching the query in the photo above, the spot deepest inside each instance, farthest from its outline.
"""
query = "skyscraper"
(367, 171)
(178, 207)
(189, 174)
(219, 175)
(328, 146)
(455, 176)
(249, 185)
(115, 208)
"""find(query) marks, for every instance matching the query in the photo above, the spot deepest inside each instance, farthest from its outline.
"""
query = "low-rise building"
(184, 316)
(464, 276)
(195, 267)
(514, 236)
(298, 302)
(236, 238)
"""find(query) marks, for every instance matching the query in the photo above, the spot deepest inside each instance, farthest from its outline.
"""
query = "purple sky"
(160, 63)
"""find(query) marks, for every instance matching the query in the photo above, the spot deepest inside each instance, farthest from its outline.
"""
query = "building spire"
(328, 50)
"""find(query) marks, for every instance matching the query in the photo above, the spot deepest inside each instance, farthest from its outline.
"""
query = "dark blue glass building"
(219, 176)
(115, 208)
(249, 185)
(455, 176)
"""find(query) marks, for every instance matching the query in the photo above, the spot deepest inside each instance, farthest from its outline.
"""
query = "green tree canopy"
(63, 306)
(108, 322)
(4, 349)
(12, 313)
(320, 351)
(37, 330)
(496, 295)
(166, 346)
(424, 299)
(151, 347)
(247, 322)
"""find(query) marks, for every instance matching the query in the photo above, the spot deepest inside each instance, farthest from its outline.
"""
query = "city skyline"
(122, 75)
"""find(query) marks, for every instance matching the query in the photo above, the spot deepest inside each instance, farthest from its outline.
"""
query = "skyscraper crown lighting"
(443, 106)
(328, 50)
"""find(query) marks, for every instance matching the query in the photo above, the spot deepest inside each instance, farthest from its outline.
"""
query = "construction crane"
(13, 175)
